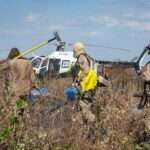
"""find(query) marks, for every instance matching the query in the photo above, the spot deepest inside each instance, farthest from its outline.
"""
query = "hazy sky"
(115, 23)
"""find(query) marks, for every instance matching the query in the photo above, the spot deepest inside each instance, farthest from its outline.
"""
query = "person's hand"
(74, 84)
(33, 86)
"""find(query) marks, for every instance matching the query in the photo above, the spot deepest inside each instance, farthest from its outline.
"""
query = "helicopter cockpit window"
(45, 61)
(65, 63)
(36, 62)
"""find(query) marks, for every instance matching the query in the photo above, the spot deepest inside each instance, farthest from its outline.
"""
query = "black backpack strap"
(87, 56)
(74, 71)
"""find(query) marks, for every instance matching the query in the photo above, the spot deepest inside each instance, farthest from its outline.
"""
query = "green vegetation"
(4, 133)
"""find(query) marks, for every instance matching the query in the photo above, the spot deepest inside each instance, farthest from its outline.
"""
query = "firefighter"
(145, 71)
(22, 75)
(146, 91)
(86, 78)
(85, 81)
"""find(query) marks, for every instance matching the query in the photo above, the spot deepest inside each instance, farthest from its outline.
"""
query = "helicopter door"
(44, 67)
(54, 66)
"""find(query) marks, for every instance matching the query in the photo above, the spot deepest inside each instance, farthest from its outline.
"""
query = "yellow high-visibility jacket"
(89, 82)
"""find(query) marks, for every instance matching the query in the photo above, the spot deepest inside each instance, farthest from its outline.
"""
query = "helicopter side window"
(65, 63)
(36, 62)
(45, 61)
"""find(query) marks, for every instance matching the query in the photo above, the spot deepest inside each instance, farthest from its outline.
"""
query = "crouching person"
(84, 84)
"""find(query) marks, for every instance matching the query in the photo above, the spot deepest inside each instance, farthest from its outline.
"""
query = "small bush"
(4, 133)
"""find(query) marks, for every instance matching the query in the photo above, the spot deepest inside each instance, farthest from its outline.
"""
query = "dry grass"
(119, 125)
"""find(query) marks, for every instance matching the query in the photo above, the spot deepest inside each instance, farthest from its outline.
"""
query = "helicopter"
(57, 63)
(65, 61)
(60, 61)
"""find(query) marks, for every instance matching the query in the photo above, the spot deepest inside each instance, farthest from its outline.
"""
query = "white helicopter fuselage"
(58, 61)
(65, 59)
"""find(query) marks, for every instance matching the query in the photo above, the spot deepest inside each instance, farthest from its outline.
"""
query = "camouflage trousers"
(87, 114)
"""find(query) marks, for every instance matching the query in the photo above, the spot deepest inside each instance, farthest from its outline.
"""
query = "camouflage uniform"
(146, 72)
(4, 80)
(22, 77)
(84, 63)
(146, 77)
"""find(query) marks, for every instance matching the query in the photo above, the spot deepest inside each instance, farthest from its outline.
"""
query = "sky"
(113, 23)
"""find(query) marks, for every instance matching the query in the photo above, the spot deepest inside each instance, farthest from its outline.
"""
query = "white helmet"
(78, 48)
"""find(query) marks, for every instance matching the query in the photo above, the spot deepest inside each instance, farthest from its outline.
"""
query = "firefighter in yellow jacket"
(85, 82)
(86, 78)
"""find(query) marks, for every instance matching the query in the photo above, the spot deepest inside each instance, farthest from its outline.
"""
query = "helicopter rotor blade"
(103, 46)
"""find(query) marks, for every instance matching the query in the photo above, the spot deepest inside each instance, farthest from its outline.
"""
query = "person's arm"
(4, 64)
(32, 76)
(146, 72)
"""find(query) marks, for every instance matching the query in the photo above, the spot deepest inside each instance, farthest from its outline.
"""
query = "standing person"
(145, 100)
(86, 78)
(85, 82)
(22, 74)
(145, 74)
